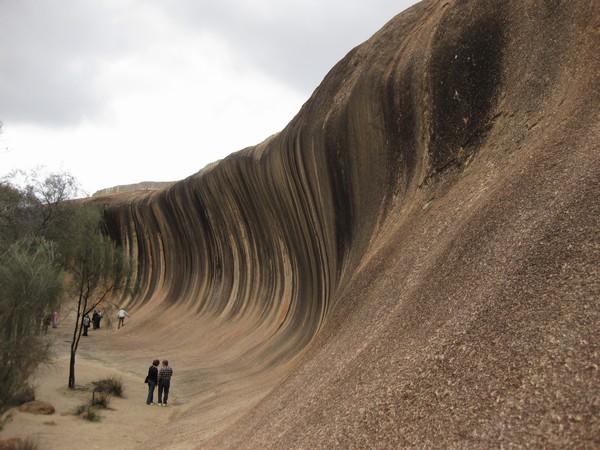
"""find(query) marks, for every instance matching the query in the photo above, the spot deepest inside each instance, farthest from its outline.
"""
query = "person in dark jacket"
(152, 380)
(96, 319)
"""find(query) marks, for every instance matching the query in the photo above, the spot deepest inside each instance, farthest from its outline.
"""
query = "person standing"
(164, 383)
(96, 320)
(121, 316)
(152, 380)
(54, 319)
(86, 324)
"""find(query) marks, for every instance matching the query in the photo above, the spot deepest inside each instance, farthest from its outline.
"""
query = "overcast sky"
(123, 91)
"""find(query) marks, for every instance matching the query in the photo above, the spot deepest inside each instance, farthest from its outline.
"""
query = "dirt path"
(126, 424)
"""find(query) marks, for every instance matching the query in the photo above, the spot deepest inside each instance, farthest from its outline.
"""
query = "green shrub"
(30, 286)
(111, 386)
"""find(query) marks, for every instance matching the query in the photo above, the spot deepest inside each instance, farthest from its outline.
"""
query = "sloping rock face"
(413, 261)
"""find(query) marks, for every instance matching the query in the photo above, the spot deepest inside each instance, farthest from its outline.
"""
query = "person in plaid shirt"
(164, 383)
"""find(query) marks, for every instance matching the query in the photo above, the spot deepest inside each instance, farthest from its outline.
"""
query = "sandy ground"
(126, 424)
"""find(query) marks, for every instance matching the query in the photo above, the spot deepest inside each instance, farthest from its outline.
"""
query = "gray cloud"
(51, 59)
(296, 41)
(54, 53)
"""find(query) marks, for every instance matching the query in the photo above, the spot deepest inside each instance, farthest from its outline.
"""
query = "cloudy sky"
(123, 91)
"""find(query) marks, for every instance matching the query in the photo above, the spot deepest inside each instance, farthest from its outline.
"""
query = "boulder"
(10, 444)
(37, 407)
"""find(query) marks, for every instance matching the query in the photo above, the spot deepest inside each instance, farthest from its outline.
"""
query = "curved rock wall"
(407, 223)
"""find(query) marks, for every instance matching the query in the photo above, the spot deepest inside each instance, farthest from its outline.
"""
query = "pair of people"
(162, 378)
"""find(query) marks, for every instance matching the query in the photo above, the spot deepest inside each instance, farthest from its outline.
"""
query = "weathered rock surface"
(414, 261)
(37, 407)
(10, 444)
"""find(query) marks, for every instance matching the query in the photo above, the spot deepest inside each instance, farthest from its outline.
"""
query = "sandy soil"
(127, 422)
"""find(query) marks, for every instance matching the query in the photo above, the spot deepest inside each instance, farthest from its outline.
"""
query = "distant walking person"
(96, 319)
(164, 383)
(152, 380)
(121, 316)
(86, 324)
(54, 319)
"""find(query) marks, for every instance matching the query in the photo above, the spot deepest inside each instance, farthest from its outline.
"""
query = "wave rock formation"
(414, 261)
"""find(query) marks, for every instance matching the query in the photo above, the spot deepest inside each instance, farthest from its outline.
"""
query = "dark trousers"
(163, 391)
(151, 386)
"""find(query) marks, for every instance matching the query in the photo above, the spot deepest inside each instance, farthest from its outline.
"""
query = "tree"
(34, 234)
(30, 287)
(18, 214)
(98, 270)
(33, 204)
(52, 193)
(43, 208)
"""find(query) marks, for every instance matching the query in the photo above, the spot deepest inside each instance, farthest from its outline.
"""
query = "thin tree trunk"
(76, 338)
(72, 371)
(74, 344)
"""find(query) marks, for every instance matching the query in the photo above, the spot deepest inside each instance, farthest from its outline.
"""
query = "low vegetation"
(101, 392)
(111, 386)
(88, 412)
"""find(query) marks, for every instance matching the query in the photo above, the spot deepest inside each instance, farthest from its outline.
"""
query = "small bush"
(24, 394)
(99, 400)
(11, 395)
(111, 386)
(101, 393)
(87, 412)
(27, 444)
